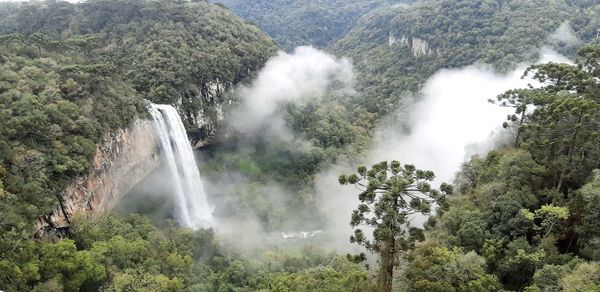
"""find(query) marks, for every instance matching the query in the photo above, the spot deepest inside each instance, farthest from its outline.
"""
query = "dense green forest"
(456, 34)
(54, 110)
(395, 49)
(171, 52)
(70, 75)
(301, 23)
(388, 77)
(526, 215)
(523, 217)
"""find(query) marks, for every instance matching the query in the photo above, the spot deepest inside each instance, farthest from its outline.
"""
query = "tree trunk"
(62, 208)
(386, 267)
(388, 253)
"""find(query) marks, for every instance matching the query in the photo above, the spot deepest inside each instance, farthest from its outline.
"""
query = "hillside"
(299, 23)
(71, 74)
(302, 177)
(527, 211)
(395, 49)
(181, 53)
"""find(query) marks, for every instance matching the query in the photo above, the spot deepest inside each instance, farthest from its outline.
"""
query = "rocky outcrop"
(208, 121)
(122, 160)
(418, 46)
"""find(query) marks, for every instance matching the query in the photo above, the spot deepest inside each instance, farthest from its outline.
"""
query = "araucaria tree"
(389, 194)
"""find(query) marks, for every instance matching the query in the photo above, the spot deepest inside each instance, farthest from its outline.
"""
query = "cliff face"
(122, 160)
(206, 122)
(418, 46)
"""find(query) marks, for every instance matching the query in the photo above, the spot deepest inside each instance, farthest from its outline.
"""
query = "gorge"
(287, 145)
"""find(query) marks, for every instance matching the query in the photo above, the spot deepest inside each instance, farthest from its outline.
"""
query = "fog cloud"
(564, 33)
(452, 118)
(452, 121)
(289, 78)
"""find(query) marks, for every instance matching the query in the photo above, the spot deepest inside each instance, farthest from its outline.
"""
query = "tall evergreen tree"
(390, 195)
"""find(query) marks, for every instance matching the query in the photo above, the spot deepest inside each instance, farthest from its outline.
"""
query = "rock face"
(122, 160)
(205, 123)
(418, 46)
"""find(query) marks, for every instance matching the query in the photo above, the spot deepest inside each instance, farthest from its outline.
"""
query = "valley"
(326, 145)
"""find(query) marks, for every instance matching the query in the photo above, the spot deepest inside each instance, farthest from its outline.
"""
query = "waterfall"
(193, 209)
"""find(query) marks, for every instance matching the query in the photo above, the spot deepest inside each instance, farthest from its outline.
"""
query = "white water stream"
(193, 209)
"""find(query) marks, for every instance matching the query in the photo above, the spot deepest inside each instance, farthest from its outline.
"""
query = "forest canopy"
(521, 217)
(300, 23)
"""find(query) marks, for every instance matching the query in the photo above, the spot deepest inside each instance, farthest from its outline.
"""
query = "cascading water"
(193, 209)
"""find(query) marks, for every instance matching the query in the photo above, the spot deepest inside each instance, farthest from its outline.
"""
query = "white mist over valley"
(438, 132)
(287, 145)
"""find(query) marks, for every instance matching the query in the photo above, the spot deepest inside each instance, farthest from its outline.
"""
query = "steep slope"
(74, 75)
(54, 109)
(397, 48)
(530, 212)
(295, 23)
(188, 54)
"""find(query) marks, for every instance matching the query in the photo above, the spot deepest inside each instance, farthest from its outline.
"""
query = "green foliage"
(585, 277)
(63, 68)
(532, 211)
(323, 279)
(390, 193)
(562, 130)
(548, 278)
(62, 85)
(396, 48)
(297, 23)
(521, 220)
(549, 215)
(587, 200)
(130, 254)
(437, 268)
(50, 122)
(72, 268)
(189, 54)
(144, 282)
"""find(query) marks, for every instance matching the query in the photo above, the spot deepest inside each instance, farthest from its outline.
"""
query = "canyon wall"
(122, 160)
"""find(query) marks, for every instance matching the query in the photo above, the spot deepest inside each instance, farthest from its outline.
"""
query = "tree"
(588, 229)
(583, 278)
(12, 38)
(559, 123)
(84, 43)
(75, 268)
(548, 278)
(549, 216)
(565, 135)
(521, 100)
(437, 268)
(41, 40)
(390, 195)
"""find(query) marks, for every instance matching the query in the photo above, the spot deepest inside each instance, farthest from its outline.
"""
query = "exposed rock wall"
(418, 46)
(122, 160)
(206, 122)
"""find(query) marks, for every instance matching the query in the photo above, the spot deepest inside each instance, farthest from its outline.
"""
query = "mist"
(305, 74)
(451, 122)
(453, 113)
(565, 34)
(453, 119)
(258, 212)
